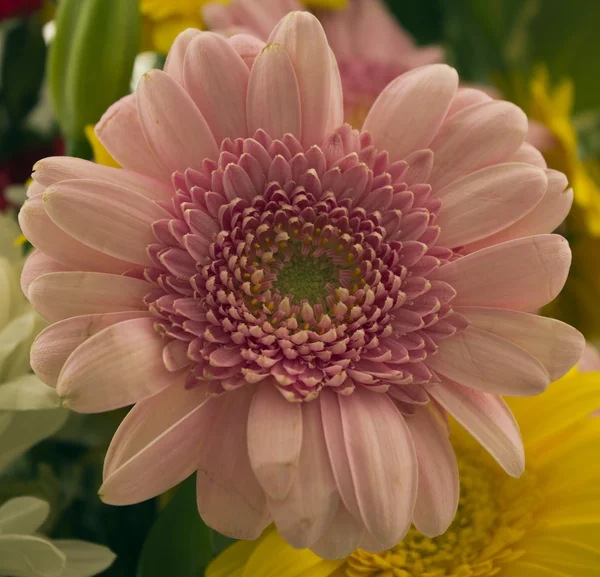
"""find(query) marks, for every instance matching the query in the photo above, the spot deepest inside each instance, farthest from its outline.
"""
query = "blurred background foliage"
(496, 42)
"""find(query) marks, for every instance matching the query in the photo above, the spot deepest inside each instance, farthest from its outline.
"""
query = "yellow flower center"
(493, 515)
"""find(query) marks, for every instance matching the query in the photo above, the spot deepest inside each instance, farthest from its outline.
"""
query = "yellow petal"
(165, 31)
(232, 560)
(101, 155)
(274, 556)
(328, 4)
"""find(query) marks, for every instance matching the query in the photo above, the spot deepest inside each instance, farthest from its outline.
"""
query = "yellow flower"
(101, 155)
(545, 524)
(326, 4)
(553, 106)
(164, 20)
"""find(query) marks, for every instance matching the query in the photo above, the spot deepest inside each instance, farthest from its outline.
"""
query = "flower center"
(491, 520)
(306, 278)
(304, 268)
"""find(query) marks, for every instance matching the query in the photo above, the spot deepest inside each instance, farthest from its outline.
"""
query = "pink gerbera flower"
(370, 46)
(291, 304)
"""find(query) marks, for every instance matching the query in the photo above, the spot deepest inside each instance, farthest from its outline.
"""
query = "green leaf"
(423, 19)
(23, 65)
(91, 59)
(179, 543)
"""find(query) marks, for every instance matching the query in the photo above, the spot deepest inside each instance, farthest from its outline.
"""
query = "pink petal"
(480, 360)
(336, 100)
(247, 46)
(105, 217)
(157, 445)
(341, 538)
(487, 201)
(409, 112)
(61, 295)
(174, 64)
(488, 419)
(53, 169)
(540, 137)
(116, 367)
(273, 94)
(466, 97)
(439, 485)
(555, 344)
(336, 447)
(547, 215)
(523, 274)
(53, 345)
(36, 265)
(34, 189)
(303, 38)
(304, 515)
(216, 78)
(174, 128)
(230, 499)
(120, 132)
(61, 247)
(274, 440)
(382, 461)
(529, 154)
(478, 136)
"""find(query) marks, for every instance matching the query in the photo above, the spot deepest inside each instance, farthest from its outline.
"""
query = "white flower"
(23, 553)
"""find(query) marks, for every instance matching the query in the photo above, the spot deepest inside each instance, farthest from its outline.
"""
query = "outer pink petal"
(230, 499)
(480, 360)
(304, 515)
(336, 447)
(216, 78)
(383, 463)
(487, 201)
(34, 189)
(53, 169)
(529, 154)
(116, 367)
(523, 274)
(53, 345)
(273, 94)
(152, 417)
(174, 63)
(303, 38)
(439, 485)
(336, 101)
(36, 265)
(61, 247)
(467, 97)
(120, 132)
(555, 344)
(61, 295)
(488, 419)
(274, 440)
(590, 360)
(547, 216)
(477, 136)
(247, 46)
(104, 217)
(157, 445)
(341, 538)
(409, 112)
(174, 128)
